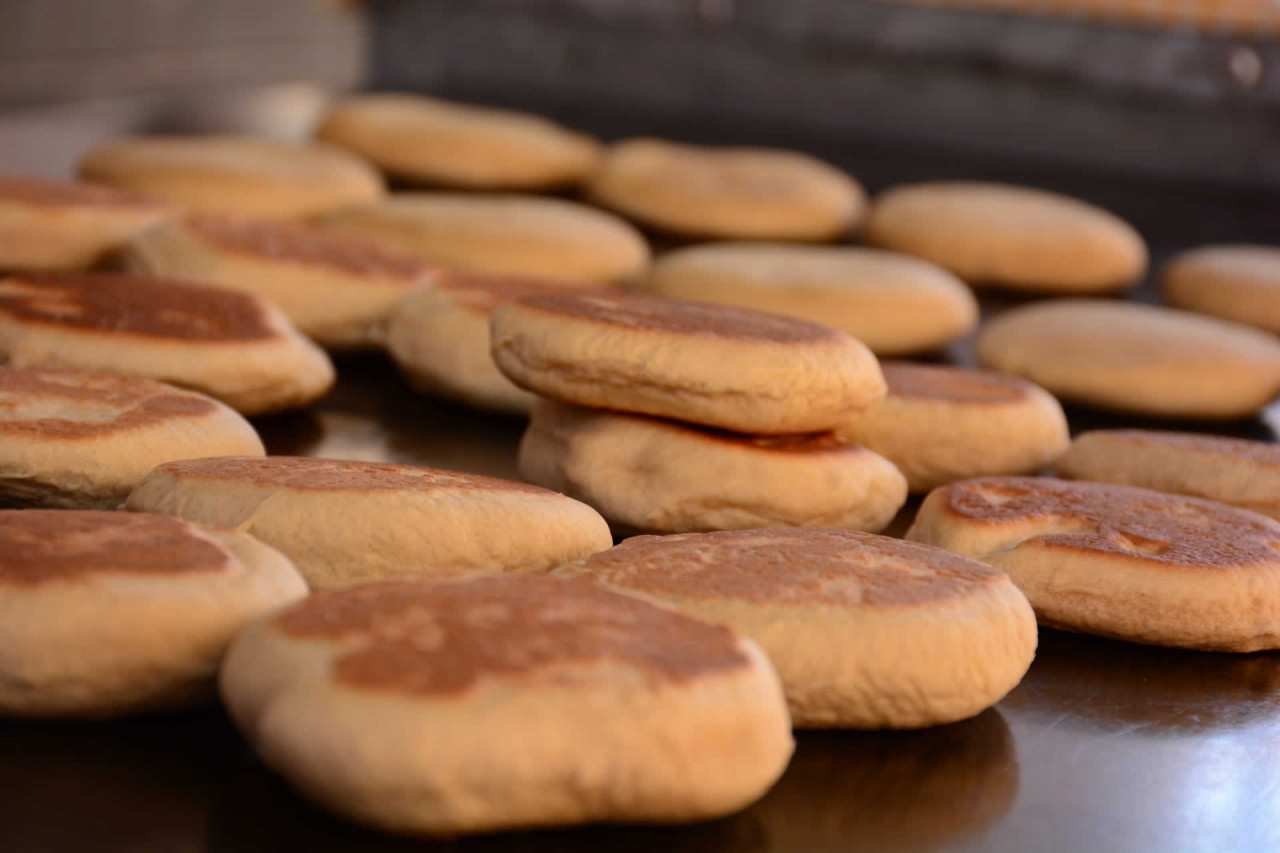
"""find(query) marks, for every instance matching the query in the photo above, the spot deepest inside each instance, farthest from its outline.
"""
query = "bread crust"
(82, 440)
(940, 424)
(437, 708)
(1128, 563)
(661, 476)
(727, 193)
(106, 613)
(232, 346)
(715, 365)
(893, 303)
(865, 631)
(1011, 237)
(430, 140)
(345, 521)
(1137, 358)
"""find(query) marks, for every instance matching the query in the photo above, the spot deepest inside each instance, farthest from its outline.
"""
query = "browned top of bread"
(952, 384)
(423, 637)
(1119, 520)
(134, 305)
(337, 475)
(44, 545)
(38, 191)
(672, 316)
(46, 403)
(790, 566)
(482, 293)
(311, 245)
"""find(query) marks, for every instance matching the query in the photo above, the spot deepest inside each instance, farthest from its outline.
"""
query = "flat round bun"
(238, 175)
(1135, 358)
(728, 193)
(438, 708)
(500, 234)
(230, 345)
(1239, 283)
(107, 613)
(1011, 237)
(865, 631)
(1230, 470)
(1131, 564)
(439, 337)
(893, 303)
(342, 521)
(417, 138)
(715, 365)
(941, 424)
(62, 225)
(336, 288)
(662, 476)
(76, 439)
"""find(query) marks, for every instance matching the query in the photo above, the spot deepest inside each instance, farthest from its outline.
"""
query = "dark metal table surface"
(1104, 746)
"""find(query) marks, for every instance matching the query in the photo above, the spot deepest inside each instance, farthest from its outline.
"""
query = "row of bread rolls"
(672, 416)
(346, 292)
(379, 699)
(1000, 234)
(388, 700)
(984, 234)
(1109, 559)
(83, 439)
(310, 686)
(564, 680)
(503, 700)
(924, 637)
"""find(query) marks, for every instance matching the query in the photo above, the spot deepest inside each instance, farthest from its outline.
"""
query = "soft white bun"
(439, 337)
(662, 476)
(895, 304)
(1136, 358)
(715, 365)
(336, 289)
(417, 138)
(107, 613)
(342, 521)
(865, 631)
(939, 424)
(230, 345)
(1011, 237)
(504, 234)
(1231, 470)
(61, 225)
(439, 708)
(1132, 564)
(728, 193)
(1238, 283)
(76, 439)
(239, 175)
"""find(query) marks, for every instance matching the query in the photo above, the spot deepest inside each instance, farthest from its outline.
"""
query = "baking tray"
(1104, 745)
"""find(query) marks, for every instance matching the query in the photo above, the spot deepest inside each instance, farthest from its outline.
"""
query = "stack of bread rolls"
(673, 416)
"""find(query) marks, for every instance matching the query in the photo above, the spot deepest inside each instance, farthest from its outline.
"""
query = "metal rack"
(1180, 103)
